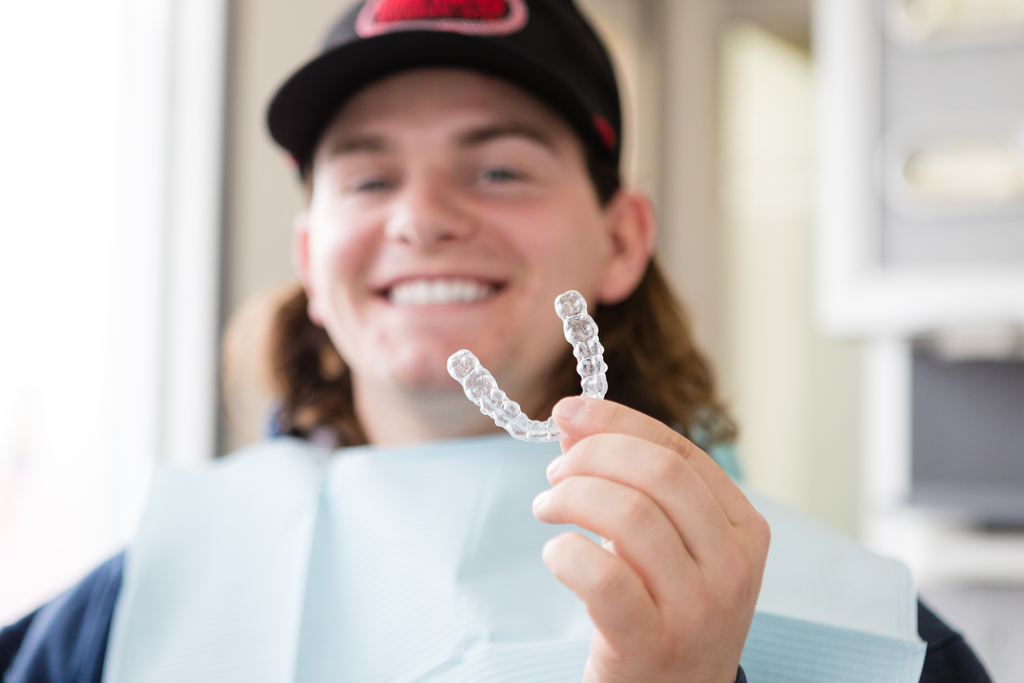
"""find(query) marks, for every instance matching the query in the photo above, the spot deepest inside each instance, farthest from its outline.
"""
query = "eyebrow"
(376, 144)
(479, 136)
(372, 144)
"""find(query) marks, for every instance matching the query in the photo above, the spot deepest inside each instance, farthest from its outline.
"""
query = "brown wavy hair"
(653, 365)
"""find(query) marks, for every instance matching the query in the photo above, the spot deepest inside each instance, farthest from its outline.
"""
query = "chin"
(428, 383)
(423, 371)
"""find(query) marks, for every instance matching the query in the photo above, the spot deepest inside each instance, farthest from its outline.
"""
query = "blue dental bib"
(284, 562)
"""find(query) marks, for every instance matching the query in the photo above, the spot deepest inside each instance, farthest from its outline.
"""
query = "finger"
(666, 478)
(616, 599)
(579, 417)
(643, 536)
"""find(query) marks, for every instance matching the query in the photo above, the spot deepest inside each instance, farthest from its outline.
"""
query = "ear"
(632, 228)
(300, 257)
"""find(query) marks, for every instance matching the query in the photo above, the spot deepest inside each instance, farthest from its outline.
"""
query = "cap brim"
(304, 105)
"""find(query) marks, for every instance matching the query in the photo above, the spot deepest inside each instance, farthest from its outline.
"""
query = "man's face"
(448, 211)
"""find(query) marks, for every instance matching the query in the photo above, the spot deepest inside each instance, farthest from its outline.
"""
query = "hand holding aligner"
(580, 331)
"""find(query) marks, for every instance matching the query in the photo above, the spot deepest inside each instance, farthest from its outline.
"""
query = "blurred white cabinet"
(921, 215)
(921, 236)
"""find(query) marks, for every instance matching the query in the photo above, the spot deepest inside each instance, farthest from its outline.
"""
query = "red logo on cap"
(474, 17)
(605, 130)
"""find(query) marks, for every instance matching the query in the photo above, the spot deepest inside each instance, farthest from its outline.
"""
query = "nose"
(427, 212)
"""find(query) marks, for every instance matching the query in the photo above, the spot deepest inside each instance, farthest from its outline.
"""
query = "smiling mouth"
(436, 292)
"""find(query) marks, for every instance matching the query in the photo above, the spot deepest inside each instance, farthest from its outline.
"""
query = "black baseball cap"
(545, 47)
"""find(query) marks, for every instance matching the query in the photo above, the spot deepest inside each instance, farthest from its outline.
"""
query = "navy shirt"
(65, 640)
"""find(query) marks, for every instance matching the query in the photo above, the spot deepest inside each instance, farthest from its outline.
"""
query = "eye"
(500, 174)
(371, 184)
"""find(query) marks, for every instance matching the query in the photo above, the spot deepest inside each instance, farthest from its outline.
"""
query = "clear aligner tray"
(481, 388)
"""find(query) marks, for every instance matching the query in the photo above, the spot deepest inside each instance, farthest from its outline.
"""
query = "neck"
(392, 417)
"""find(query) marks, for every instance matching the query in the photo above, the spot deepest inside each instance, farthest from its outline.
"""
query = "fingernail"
(569, 408)
(541, 500)
(555, 466)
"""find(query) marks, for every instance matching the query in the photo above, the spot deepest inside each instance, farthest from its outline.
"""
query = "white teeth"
(435, 292)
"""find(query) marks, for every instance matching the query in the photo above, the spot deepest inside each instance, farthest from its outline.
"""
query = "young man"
(462, 161)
